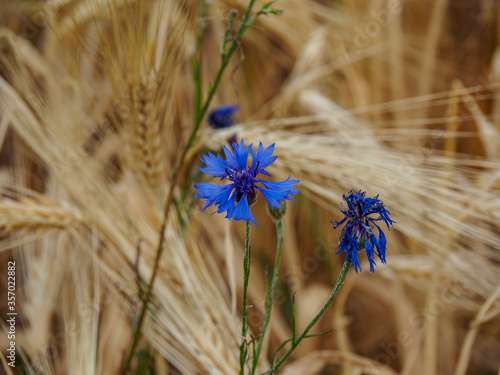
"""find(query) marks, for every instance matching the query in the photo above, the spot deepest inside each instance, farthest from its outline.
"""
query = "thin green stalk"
(295, 343)
(197, 59)
(227, 35)
(244, 323)
(269, 296)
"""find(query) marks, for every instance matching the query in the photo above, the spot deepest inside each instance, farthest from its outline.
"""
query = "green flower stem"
(196, 65)
(296, 342)
(244, 323)
(269, 296)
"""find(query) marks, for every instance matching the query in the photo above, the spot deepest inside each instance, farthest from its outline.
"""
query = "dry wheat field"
(399, 98)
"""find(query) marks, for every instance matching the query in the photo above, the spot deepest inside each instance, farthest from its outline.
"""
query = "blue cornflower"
(358, 232)
(222, 116)
(236, 197)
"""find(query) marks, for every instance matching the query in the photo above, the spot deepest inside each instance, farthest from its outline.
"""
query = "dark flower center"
(245, 182)
(251, 196)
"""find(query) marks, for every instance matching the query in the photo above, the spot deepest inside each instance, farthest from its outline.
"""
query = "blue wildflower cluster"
(358, 233)
(236, 197)
(222, 116)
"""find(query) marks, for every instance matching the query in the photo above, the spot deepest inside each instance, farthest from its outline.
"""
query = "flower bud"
(277, 213)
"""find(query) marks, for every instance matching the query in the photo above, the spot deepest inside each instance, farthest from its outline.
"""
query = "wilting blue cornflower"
(236, 197)
(358, 232)
(222, 116)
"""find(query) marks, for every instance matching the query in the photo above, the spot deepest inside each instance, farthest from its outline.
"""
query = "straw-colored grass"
(398, 98)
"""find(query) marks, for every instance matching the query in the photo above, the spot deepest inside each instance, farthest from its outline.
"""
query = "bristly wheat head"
(29, 215)
(148, 155)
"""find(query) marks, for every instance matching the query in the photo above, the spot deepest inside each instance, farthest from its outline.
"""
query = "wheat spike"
(30, 215)
(145, 138)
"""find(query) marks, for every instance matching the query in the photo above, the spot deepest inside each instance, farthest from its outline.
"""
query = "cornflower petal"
(231, 161)
(370, 253)
(272, 197)
(228, 206)
(241, 153)
(385, 217)
(215, 165)
(213, 194)
(263, 158)
(242, 210)
(381, 244)
(336, 224)
(350, 245)
(283, 186)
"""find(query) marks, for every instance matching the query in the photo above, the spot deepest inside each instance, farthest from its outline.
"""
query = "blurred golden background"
(399, 98)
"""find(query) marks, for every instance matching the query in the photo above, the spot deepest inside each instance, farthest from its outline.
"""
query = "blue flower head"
(236, 197)
(222, 116)
(357, 234)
